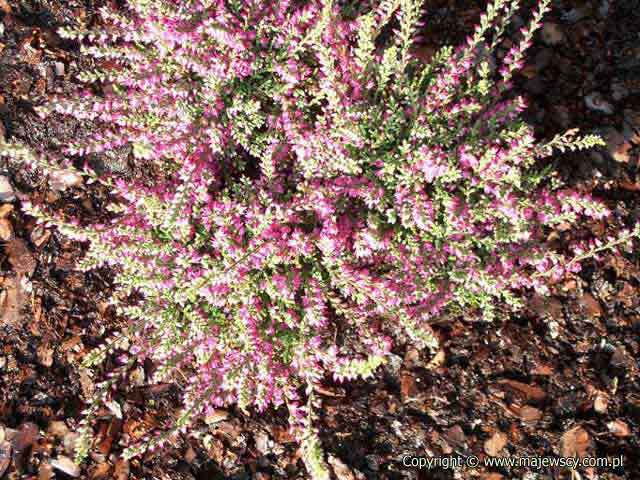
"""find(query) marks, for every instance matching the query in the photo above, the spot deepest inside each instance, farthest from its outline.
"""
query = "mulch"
(561, 379)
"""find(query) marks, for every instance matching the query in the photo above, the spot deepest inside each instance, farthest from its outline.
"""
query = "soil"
(560, 380)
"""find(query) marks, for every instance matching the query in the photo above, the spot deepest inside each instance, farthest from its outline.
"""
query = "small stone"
(59, 68)
(595, 101)
(66, 465)
(7, 194)
(6, 230)
(552, 34)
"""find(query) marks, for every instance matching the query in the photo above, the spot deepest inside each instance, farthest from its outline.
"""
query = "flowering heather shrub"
(325, 193)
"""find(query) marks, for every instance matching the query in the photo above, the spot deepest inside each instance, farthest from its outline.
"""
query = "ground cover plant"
(324, 192)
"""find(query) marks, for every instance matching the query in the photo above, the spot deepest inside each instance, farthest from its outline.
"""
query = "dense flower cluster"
(325, 192)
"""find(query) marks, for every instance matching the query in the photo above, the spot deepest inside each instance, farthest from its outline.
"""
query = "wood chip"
(45, 472)
(495, 444)
(6, 230)
(529, 392)
(121, 470)
(601, 403)
(5, 456)
(45, 354)
(342, 471)
(619, 428)
(575, 442)
(216, 415)
(530, 414)
(66, 465)
(20, 257)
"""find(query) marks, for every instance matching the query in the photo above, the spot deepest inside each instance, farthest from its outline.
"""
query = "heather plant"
(324, 193)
